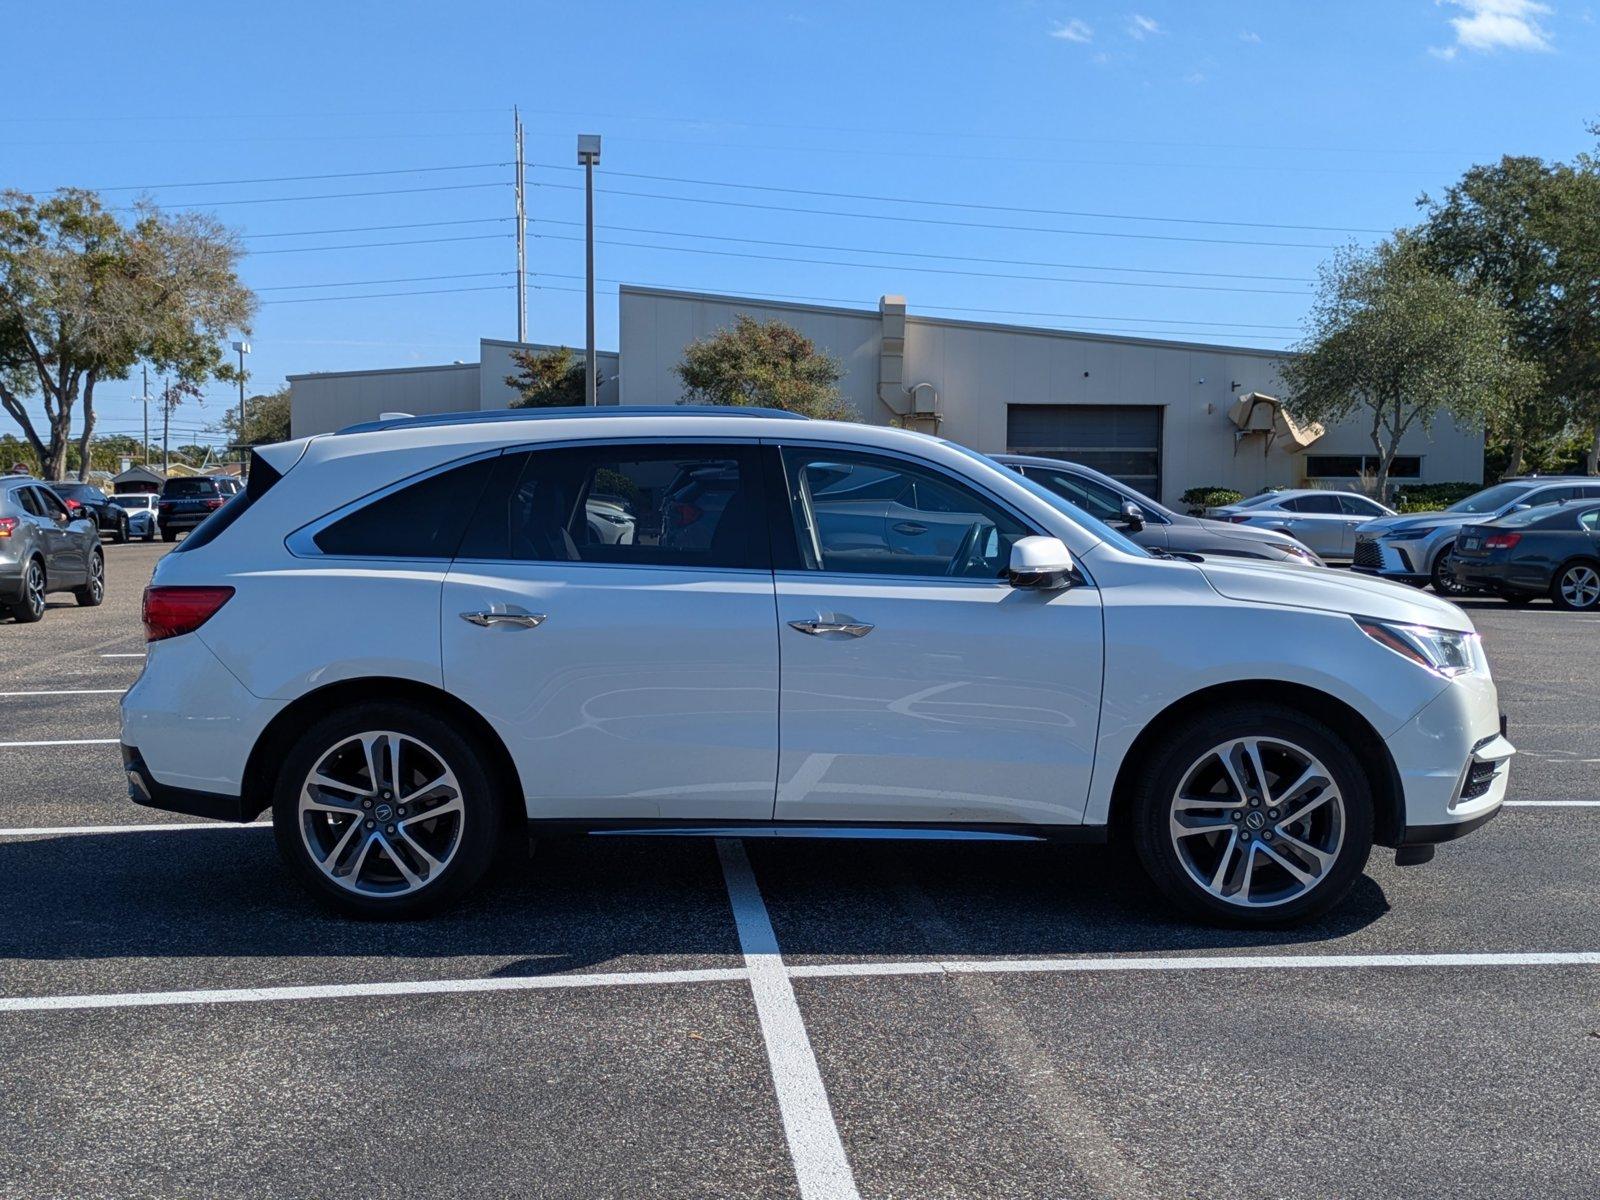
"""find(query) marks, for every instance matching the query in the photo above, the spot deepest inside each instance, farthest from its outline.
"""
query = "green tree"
(1526, 234)
(1395, 339)
(547, 378)
(266, 420)
(764, 363)
(83, 297)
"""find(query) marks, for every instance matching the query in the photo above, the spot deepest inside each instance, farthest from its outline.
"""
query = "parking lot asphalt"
(885, 1018)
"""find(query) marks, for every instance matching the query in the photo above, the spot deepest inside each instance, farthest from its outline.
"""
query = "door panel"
(965, 702)
(622, 637)
(917, 685)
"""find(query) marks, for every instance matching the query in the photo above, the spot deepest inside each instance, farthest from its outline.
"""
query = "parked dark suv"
(187, 501)
(86, 500)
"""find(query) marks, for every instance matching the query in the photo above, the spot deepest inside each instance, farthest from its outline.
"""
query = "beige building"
(1156, 413)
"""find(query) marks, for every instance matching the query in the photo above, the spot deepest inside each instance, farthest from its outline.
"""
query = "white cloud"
(1073, 31)
(1141, 27)
(1496, 25)
(1250, 36)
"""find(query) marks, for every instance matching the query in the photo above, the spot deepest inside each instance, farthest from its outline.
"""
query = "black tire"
(150, 534)
(1584, 569)
(1444, 578)
(121, 534)
(1517, 599)
(91, 594)
(169, 535)
(30, 605)
(1177, 753)
(482, 809)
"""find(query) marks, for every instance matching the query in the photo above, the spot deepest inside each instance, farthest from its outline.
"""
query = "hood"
(1260, 582)
(1422, 520)
(1245, 533)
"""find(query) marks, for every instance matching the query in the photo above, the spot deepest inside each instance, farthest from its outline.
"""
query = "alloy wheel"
(1444, 577)
(97, 577)
(1580, 586)
(34, 589)
(1257, 822)
(381, 814)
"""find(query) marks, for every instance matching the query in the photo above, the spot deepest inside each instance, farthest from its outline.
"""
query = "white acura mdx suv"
(410, 637)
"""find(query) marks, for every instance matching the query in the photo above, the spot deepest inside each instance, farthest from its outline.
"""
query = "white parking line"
(1230, 962)
(64, 742)
(72, 692)
(820, 1166)
(1553, 803)
(138, 655)
(149, 827)
(343, 991)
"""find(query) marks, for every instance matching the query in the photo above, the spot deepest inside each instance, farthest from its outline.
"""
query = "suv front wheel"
(1253, 815)
(384, 810)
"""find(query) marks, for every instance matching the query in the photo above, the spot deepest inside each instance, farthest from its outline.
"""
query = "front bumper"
(1453, 759)
(1402, 561)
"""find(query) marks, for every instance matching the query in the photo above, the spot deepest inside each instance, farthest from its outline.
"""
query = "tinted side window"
(668, 504)
(1317, 504)
(1094, 497)
(959, 535)
(1359, 506)
(1548, 496)
(1590, 520)
(28, 501)
(421, 520)
(50, 502)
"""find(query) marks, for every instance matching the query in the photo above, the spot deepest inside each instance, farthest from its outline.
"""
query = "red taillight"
(7, 525)
(1501, 541)
(170, 611)
(686, 514)
(215, 502)
(73, 505)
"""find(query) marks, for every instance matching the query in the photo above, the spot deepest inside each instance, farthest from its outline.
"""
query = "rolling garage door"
(1124, 441)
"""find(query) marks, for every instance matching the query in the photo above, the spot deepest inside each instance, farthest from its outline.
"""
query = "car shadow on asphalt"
(614, 903)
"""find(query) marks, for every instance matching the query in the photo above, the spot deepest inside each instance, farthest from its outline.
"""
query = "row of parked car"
(50, 533)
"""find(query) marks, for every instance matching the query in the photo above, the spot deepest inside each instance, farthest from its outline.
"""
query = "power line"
(497, 287)
(834, 262)
(1044, 212)
(824, 212)
(448, 187)
(374, 228)
(291, 287)
(1016, 262)
(143, 187)
(475, 237)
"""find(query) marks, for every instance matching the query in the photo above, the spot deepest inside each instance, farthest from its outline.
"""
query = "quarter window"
(424, 519)
(1591, 519)
(671, 505)
(865, 514)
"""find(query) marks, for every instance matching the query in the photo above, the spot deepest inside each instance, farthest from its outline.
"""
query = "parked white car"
(1323, 520)
(404, 634)
(141, 510)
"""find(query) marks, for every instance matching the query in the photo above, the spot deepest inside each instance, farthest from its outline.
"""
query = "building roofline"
(516, 345)
(916, 318)
(386, 371)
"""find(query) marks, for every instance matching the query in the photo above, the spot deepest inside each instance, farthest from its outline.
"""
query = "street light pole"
(588, 156)
(243, 348)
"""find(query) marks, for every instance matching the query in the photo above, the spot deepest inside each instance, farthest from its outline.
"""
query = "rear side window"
(28, 502)
(1314, 504)
(670, 505)
(424, 519)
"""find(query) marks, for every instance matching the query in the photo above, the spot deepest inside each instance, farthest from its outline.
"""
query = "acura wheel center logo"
(1255, 820)
(383, 812)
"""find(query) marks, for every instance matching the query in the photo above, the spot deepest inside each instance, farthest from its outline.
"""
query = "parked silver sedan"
(44, 549)
(1325, 521)
(141, 510)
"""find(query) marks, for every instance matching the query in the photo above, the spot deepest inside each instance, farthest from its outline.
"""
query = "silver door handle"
(850, 628)
(519, 620)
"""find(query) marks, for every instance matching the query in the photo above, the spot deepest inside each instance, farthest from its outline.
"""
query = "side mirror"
(1133, 515)
(1040, 562)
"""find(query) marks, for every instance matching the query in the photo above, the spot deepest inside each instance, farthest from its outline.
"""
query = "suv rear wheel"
(1253, 815)
(30, 604)
(384, 810)
(94, 589)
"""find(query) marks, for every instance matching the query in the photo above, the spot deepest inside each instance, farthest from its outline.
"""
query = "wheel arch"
(272, 747)
(1388, 795)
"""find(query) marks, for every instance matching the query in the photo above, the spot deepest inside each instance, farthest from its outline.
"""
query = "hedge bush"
(1198, 499)
(1429, 497)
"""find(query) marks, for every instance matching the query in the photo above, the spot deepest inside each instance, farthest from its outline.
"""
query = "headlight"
(1406, 531)
(1446, 652)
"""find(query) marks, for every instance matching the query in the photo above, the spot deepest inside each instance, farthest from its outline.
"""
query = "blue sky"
(1098, 165)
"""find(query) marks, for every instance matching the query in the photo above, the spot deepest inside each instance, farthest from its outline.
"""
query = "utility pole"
(144, 394)
(243, 348)
(588, 156)
(522, 233)
(166, 419)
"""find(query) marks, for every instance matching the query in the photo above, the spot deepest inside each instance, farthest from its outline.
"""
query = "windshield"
(1252, 501)
(131, 501)
(1490, 499)
(1065, 507)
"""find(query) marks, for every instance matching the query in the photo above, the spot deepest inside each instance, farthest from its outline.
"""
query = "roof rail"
(489, 416)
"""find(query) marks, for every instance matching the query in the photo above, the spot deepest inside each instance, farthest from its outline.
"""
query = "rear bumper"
(144, 788)
(1500, 576)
